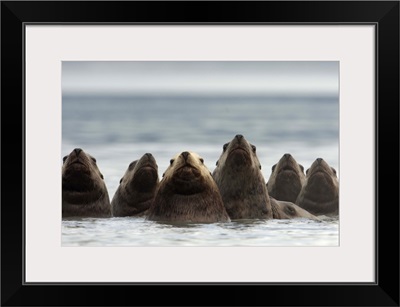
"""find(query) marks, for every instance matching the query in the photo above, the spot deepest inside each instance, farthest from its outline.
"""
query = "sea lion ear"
(225, 146)
(273, 167)
(65, 158)
(202, 160)
(301, 167)
(163, 175)
(259, 166)
(333, 170)
(101, 175)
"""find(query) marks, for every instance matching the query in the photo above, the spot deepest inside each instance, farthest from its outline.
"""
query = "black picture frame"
(383, 14)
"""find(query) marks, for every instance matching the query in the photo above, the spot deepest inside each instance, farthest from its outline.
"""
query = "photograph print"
(200, 153)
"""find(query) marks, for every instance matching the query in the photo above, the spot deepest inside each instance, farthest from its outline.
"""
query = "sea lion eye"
(163, 175)
(202, 160)
(259, 166)
(225, 146)
(101, 175)
(121, 180)
(273, 167)
(301, 167)
(93, 159)
(254, 148)
(333, 170)
(171, 161)
(216, 163)
(65, 158)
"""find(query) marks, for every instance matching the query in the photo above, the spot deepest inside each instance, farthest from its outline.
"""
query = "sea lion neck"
(82, 197)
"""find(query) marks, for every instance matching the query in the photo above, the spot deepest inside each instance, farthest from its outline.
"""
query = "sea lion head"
(141, 175)
(187, 174)
(240, 181)
(84, 192)
(80, 174)
(238, 155)
(188, 193)
(289, 210)
(322, 181)
(320, 192)
(286, 179)
(136, 188)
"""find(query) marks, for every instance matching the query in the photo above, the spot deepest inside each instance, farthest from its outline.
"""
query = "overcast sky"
(235, 78)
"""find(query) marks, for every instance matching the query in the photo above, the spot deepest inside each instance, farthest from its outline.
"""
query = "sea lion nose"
(287, 155)
(149, 155)
(77, 151)
(239, 137)
(319, 160)
(185, 155)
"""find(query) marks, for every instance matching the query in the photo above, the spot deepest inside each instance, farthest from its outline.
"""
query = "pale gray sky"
(207, 78)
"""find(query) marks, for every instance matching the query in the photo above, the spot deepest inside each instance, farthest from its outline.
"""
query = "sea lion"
(84, 192)
(137, 187)
(286, 179)
(240, 181)
(320, 192)
(289, 210)
(187, 193)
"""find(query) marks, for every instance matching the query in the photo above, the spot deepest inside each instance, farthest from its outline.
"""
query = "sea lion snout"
(239, 137)
(185, 155)
(238, 141)
(287, 156)
(148, 160)
(77, 151)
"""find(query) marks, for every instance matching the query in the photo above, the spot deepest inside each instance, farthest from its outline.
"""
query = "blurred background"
(117, 111)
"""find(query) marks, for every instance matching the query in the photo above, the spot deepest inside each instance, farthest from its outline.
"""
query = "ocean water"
(119, 129)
